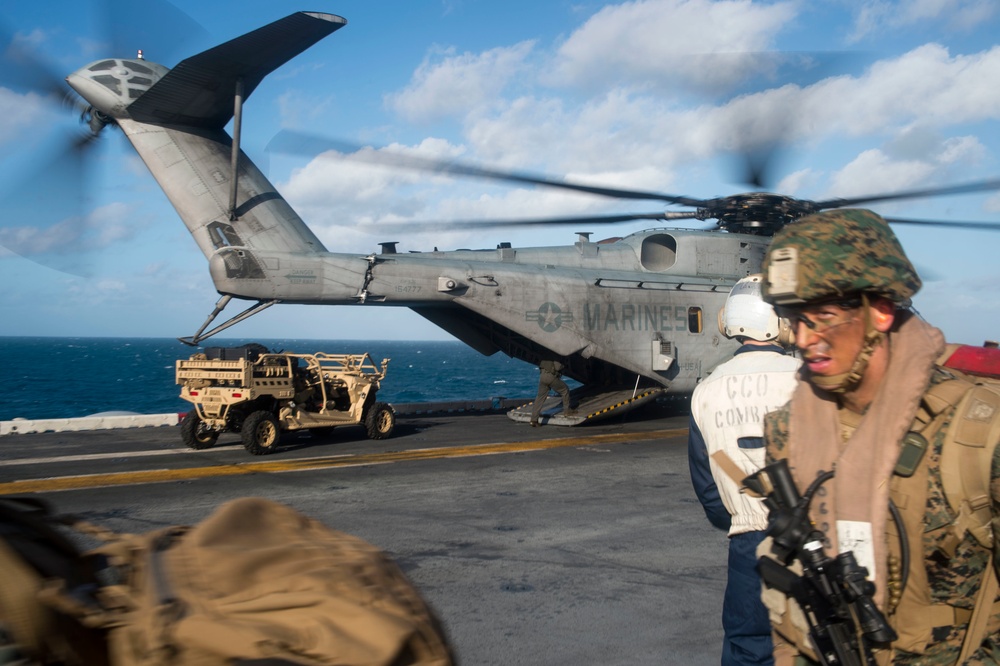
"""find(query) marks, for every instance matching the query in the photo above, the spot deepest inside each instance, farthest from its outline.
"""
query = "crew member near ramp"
(727, 412)
(877, 409)
(549, 379)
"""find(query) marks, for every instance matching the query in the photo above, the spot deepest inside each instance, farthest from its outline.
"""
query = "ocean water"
(72, 377)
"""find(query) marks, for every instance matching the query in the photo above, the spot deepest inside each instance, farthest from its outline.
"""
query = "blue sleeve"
(704, 484)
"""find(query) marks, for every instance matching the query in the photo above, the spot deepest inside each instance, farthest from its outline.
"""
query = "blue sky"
(649, 95)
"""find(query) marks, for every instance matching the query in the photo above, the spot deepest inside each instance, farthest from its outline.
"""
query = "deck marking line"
(54, 484)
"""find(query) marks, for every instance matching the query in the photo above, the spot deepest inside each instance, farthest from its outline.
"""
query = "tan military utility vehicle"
(259, 394)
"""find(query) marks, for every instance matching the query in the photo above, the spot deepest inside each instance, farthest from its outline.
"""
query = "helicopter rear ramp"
(590, 406)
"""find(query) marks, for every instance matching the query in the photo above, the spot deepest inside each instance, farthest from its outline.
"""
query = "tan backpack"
(255, 582)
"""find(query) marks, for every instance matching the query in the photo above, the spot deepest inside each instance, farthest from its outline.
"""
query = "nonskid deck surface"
(534, 545)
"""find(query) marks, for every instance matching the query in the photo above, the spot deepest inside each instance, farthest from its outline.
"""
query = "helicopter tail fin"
(199, 91)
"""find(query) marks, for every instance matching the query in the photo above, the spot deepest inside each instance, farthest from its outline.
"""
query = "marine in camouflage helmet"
(835, 254)
(839, 256)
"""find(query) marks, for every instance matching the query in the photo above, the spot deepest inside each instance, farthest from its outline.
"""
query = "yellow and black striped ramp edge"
(589, 408)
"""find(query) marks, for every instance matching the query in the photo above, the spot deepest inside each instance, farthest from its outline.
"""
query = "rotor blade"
(759, 164)
(47, 209)
(765, 143)
(23, 70)
(984, 226)
(287, 141)
(980, 186)
(763, 137)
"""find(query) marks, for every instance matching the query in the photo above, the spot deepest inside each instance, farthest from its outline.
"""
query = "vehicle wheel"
(380, 421)
(260, 433)
(195, 434)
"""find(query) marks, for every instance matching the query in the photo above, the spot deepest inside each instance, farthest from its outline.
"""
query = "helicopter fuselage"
(646, 303)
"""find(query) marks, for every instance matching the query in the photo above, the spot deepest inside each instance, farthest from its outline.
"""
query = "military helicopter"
(628, 316)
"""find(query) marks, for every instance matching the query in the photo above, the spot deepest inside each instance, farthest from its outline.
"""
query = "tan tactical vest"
(970, 408)
(965, 466)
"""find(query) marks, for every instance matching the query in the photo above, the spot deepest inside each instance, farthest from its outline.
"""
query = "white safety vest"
(729, 405)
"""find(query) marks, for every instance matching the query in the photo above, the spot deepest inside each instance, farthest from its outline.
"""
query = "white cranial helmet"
(746, 315)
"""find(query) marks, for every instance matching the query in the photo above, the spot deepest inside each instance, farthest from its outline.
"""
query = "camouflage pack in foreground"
(258, 394)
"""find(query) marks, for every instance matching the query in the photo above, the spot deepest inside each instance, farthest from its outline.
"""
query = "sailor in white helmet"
(727, 412)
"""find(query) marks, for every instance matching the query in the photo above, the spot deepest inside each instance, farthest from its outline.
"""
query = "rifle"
(834, 593)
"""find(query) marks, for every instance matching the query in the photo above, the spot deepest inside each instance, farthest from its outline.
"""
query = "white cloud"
(893, 170)
(962, 149)
(966, 308)
(925, 85)
(105, 226)
(798, 181)
(873, 171)
(657, 42)
(97, 291)
(925, 88)
(348, 202)
(365, 175)
(458, 84)
(22, 112)
(108, 286)
(873, 17)
(25, 42)
(343, 199)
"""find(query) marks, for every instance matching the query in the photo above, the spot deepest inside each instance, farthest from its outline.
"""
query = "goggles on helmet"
(823, 317)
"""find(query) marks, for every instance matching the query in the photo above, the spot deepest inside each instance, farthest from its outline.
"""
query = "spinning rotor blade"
(764, 138)
(756, 169)
(23, 71)
(983, 226)
(755, 165)
(43, 230)
(304, 144)
(967, 188)
(54, 178)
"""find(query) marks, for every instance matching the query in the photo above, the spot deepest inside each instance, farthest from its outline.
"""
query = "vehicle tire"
(195, 434)
(380, 421)
(260, 433)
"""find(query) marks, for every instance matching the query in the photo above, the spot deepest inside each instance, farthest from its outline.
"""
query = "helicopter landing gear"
(195, 339)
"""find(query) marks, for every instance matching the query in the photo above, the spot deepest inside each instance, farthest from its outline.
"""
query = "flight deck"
(547, 545)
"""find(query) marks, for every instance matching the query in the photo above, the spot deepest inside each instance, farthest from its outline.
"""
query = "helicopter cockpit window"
(142, 69)
(102, 66)
(694, 320)
(659, 252)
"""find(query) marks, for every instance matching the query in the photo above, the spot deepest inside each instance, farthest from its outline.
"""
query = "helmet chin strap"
(845, 381)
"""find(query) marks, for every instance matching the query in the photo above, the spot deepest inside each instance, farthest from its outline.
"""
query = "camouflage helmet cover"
(836, 254)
